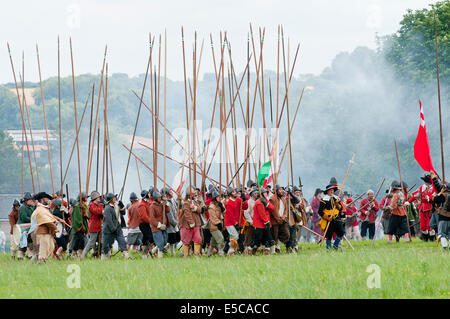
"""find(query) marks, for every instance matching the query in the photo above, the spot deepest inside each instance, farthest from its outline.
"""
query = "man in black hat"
(111, 229)
(425, 193)
(13, 216)
(25, 212)
(332, 212)
(46, 227)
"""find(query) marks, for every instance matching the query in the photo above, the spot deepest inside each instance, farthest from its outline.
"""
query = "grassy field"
(416, 270)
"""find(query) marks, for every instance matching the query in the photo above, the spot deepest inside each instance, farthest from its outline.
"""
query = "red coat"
(365, 211)
(144, 212)
(95, 212)
(425, 194)
(232, 208)
(350, 211)
(133, 215)
(261, 214)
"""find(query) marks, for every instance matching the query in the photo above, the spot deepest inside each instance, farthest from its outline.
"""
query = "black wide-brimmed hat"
(42, 195)
(426, 178)
(330, 186)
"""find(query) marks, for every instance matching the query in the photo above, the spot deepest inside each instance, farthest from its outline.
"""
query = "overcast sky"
(322, 27)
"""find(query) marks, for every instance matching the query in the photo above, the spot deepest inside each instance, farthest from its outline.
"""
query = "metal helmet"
(27, 196)
(82, 195)
(215, 194)
(165, 191)
(57, 202)
(16, 203)
(150, 191)
(109, 197)
(230, 190)
(133, 197)
(94, 195)
(144, 193)
(156, 194)
(396, 185)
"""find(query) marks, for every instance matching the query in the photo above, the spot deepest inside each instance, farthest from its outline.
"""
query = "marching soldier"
(189, 222)
(279, 219)
(442, 200)
(61, 238)
(13, 217)
(144, 222)
(96, 207)
(111, 229)
(159, 222)
(173, 232)
(80, 226)
(261, 221)
(46, 227)
(398, 225)
(368, 214)
(331, 211)
(215, 210)
(134, 233)
(248, 214)
(25, 212)
(233, 206)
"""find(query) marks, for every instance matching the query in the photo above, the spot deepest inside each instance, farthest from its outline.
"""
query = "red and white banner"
(421, 146)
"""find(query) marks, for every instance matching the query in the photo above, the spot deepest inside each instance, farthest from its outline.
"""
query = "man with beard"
(332, 212)
(261, 221)
(46, 227)
(13, 217)
(112, 229)
(159, 222)
(96, 207)
(279, 219)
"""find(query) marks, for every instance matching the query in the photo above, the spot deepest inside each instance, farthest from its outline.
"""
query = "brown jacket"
(397, 209)
(275, 217)
(143, 212)
(188, 216)
(133, 215)
(48, 228)
(300, 210)
(215, 216)
(13, 217)
(157, 216)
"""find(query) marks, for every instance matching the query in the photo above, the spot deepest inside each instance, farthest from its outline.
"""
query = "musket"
(374, 198)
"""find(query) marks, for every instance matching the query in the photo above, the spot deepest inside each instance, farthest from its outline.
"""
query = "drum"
(17, 233)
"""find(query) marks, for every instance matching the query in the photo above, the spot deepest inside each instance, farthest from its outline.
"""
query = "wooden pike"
(27, 115)
(137, 120)
(148, 167)
(95, 125)
(439, 100)
(186, 102)
(75, 141)
(165, 103)
(90, 131)
(76, 122)
(139, 175)
(45, 120)
(22, 115)
(59, 119)
(401, 184)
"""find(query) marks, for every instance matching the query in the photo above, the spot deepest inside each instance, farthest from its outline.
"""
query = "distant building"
(39, 139)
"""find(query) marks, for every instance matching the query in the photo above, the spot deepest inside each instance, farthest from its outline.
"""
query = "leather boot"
(185, 251)
(197, 249)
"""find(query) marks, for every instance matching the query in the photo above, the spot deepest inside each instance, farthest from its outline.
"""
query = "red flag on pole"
(421, 146)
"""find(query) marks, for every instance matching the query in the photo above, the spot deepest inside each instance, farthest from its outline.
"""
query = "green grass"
(416, 270)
